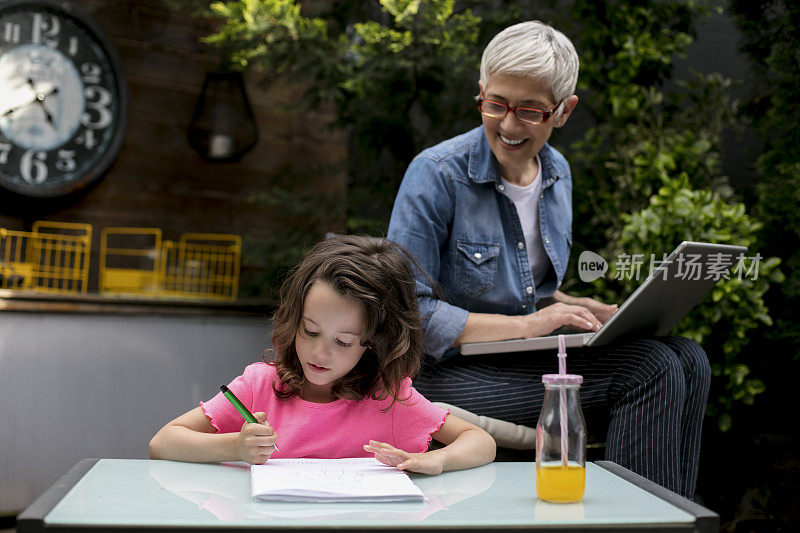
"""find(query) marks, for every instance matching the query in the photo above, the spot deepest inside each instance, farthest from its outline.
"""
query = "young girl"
(347, 338)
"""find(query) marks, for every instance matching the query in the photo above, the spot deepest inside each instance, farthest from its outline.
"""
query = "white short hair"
(536, 50)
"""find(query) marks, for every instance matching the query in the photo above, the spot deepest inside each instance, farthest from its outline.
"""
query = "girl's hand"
(422, 463)
(256, 442)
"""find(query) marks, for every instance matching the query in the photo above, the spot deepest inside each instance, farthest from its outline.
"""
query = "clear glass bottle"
(561, 463)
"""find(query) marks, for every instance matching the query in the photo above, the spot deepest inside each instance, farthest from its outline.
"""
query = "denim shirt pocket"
(476, 266)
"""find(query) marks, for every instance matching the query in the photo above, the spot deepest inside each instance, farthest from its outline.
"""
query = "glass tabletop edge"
(705, 519)
(35, 512)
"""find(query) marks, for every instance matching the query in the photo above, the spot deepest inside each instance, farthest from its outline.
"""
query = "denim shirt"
(453, 216)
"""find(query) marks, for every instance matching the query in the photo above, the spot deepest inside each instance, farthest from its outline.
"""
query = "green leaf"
(724, 422)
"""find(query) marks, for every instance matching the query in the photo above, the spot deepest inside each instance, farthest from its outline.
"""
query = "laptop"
(654, 308)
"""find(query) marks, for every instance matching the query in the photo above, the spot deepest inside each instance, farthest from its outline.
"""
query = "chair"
(516, 442)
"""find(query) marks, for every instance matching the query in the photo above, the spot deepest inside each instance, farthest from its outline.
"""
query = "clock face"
(63, 100)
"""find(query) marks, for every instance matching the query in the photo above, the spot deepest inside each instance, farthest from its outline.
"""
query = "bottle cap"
(562, 379)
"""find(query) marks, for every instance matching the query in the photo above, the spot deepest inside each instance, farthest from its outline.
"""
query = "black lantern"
(223, 127)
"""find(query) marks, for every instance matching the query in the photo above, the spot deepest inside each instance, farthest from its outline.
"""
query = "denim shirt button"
(501, 187)
(529, 289)
(546, 240)
(521, 245)
(477, 255)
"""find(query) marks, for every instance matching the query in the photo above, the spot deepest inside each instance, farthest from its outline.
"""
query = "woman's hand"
(256, 442)
(579, 313)
(600, 310)
(422, 463)
(552, 317)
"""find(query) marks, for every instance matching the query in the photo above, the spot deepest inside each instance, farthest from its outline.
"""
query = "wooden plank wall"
(159, 181)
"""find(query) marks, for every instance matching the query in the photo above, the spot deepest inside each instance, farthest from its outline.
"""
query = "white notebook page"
(312, 480)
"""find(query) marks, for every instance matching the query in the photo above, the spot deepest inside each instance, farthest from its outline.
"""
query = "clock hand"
(42, 96)
(20, 106)
(40, 100)
(47, 115)
(39, 97)
(23, 104)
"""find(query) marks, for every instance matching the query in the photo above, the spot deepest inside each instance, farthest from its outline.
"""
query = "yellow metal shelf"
(52, 258)
(134, 262)
(137, 262)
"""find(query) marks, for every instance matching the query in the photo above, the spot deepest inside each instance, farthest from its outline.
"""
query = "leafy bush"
(772, 41)
(723, 321)
(640, 134)
(647, 175)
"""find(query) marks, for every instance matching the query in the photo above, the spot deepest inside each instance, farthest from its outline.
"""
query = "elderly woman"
(488, 214)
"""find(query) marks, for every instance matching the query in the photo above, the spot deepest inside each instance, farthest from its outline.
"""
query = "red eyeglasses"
(530, 115)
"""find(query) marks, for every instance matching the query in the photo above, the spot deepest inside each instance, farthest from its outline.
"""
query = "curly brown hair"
(375, 273)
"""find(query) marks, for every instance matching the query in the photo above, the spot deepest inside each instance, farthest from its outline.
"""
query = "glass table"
(130, 495)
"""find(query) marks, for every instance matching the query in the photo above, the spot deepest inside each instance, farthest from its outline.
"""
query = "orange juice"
(556, 483)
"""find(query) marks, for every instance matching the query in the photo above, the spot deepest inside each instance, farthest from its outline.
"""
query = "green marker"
(240, 407)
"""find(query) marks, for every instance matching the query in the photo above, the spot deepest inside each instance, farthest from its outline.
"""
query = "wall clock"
(63, 98)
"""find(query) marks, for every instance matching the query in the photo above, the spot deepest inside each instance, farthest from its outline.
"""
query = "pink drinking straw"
(562, 408)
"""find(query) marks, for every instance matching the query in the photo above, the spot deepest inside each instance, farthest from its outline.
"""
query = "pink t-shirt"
(327, 430)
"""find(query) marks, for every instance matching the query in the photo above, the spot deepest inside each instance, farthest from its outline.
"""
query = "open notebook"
(323, 480)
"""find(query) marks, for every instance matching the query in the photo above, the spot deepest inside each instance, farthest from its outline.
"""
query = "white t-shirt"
(526, 200)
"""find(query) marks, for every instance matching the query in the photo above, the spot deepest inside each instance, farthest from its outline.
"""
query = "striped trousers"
(651, 393)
